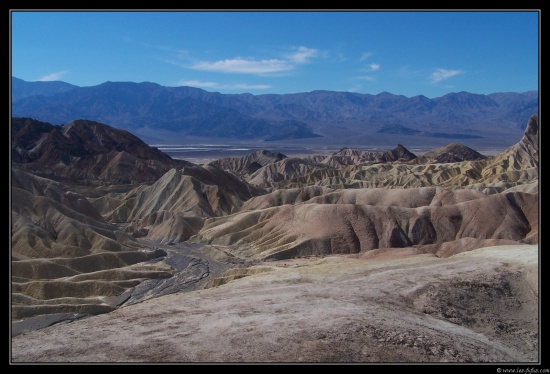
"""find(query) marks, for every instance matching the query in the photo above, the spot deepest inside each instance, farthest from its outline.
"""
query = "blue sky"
(407, 53)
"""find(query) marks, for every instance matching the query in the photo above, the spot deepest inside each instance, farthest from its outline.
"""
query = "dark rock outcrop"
(86, 150)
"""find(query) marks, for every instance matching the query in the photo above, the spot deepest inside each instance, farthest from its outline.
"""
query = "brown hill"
(347, 156)
(453, 152)
(280, 171)
(410, 198)
(285, 196)
(86, 150)
(366, 219)
(520, 162)
(174, 207)
(320, 229)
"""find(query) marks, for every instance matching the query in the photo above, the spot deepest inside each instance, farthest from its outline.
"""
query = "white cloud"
(53, 76)
(372, 67)
(195, 83)
(365, 55)
(239, 65)
(442, 74)
(303, 55)
(243, 66)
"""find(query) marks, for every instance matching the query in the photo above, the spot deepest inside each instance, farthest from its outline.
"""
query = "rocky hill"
(85, 149)
(245, 166)
(453, 152)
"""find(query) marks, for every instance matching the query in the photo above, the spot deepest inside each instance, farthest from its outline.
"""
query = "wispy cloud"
(441, 74)
(239, 65)
(242, 86)
(303, 55)
(365, 55)
(374, 67)
(370, 68)
(53, 76)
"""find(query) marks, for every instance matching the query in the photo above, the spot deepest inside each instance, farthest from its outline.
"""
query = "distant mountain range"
(190, 111)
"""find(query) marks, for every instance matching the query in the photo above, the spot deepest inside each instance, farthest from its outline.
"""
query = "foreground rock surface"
(477, 306)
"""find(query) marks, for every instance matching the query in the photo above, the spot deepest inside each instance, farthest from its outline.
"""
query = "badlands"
(121, 254)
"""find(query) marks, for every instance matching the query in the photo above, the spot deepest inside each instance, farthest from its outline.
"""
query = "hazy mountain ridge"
(403, 130)
(21, 89)
(131, 105)
(193, 111)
